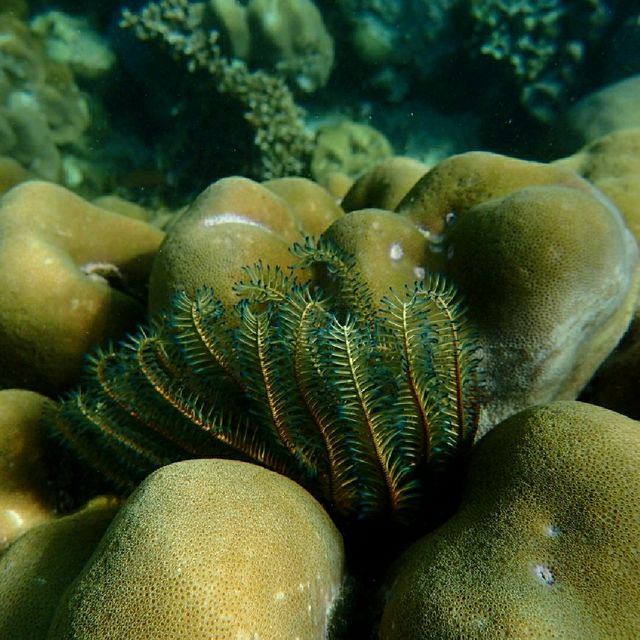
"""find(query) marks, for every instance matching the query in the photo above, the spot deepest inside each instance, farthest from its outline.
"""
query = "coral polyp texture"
(545, 543)
(364, 405)
(208, 549)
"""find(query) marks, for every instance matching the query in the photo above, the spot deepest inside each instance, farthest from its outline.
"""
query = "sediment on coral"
(283, 141)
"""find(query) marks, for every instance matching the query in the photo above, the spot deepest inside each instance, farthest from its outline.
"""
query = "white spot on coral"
(544, 575)
(424, 231)
(103, 272)
(552, 531)
(419, 273)
(279, 596)
(450, 218)
(229, 218)
(396, 252)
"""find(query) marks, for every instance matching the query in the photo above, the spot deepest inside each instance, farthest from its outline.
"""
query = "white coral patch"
(396, 252)
(544, 575)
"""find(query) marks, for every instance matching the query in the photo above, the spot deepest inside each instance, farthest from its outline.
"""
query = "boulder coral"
(545, 543)
(11, 174)
(612, 164)
(547, 266)
(314, 207)
(611, 108)
(230, 19)
(235, 223)
(545, 261)
(463, 181)
(26, 496)
(347, 147)
(384, 184)
(285, 36)
(70, 40)
(209, 549)
(615, 383)
(388, 251)
(71, 275)
(42, 563)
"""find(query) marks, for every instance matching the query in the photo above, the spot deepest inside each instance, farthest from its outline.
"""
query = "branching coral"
(365, 407)
(542, 43)
(280, 134)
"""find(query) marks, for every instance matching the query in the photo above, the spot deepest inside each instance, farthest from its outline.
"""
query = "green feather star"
(362, 404)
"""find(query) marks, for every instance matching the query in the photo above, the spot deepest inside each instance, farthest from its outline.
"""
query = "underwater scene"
(319, 320)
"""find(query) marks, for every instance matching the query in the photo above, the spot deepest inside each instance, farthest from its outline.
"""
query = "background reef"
(178, 94)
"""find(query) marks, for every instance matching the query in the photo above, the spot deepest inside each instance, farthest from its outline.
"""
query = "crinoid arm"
(350, 291)
(439, 359)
